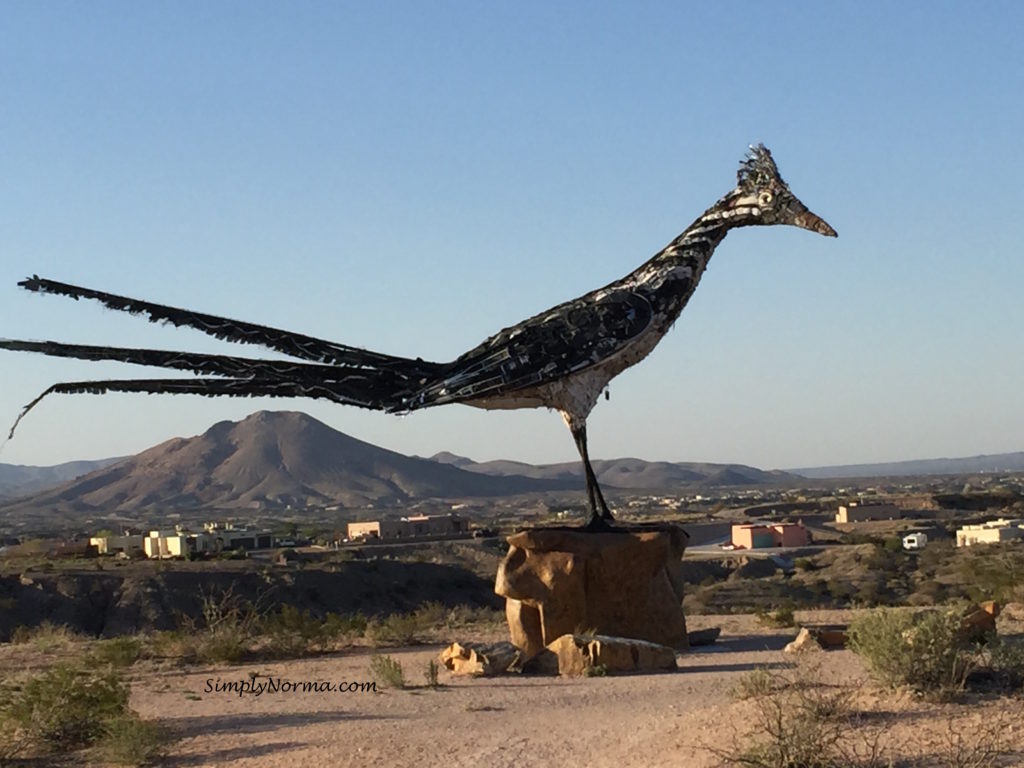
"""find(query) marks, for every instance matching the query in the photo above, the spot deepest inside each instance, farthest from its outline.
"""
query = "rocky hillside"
(19, 480)
(631, 474)
(271, 460)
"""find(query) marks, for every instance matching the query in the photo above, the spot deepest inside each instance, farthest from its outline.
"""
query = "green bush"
(118, 651)
(130, 740)
(925, 652)
(779, 617)
(387, 671)
(430, 674)
(67, 707)
(1003, 664)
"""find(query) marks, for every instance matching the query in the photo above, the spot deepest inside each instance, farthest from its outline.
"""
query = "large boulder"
(625, 583)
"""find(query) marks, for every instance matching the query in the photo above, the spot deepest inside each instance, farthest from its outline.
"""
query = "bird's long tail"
(292, 344)
(336, 372)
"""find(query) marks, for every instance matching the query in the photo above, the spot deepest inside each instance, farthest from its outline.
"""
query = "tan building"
(216, 537)
(376, 529)
(856, 512)
(166, 544)
(991, 532)
(109, 545)
(416, 526)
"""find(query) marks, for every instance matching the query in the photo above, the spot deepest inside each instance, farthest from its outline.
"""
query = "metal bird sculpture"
(562, 358)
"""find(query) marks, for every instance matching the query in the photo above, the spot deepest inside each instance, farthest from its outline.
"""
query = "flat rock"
(479, 660)
(574, 655)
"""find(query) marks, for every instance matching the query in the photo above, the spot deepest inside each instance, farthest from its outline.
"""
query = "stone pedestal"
(624, 583)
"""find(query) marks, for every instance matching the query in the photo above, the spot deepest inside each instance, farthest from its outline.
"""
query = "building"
(991, 532)
(228, 536)
(766, 535)
(413, 527)
(376, 529)
(109, 545)
(856, 512)
(165, 544)
(216, 537)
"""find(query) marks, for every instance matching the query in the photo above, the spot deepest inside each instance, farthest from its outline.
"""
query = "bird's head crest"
(758, 170)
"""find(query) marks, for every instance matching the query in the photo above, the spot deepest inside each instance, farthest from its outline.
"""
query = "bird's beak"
(807, 220)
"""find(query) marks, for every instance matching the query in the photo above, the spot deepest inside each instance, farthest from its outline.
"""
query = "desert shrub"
(929, 592)
(757, 682)
(1002, 665)
(117, 651)
(395, 629)
(804, 564)
(430, 674)
(66, 707)
(996, 572)
(345, 626)
(431, 614)
(229, 626)
(130, 740)
(407, 628)
(45, 637)
(802, 724)
(925, 652)
(291, 632)
(465, 615)
(779, 617)
(387, 671)
(893, 544)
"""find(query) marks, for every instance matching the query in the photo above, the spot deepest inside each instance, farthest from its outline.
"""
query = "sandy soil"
(673, 719)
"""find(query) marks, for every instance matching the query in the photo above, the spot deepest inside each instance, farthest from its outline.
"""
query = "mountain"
(271, 460)
(19, 480)
(630, 474)
(1000, 462)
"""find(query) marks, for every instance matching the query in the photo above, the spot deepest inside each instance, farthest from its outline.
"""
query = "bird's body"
(561, 359)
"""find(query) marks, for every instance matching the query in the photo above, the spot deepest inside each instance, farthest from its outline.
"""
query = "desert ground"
(684, 718)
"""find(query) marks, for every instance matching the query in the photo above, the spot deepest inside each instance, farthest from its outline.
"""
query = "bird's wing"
(565, 339)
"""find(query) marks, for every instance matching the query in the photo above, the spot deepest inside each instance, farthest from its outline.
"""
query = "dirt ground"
(670, 719)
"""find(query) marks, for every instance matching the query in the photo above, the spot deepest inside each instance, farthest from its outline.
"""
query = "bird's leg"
(600, 516)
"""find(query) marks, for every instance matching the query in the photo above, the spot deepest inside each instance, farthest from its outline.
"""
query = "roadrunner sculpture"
(562, 358)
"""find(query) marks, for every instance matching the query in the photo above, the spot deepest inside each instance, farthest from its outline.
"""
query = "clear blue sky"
(412, 177)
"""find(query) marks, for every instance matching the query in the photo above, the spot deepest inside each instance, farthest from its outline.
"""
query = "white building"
(990, 532)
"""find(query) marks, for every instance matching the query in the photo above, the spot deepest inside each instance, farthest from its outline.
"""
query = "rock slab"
(624, 583)
(576, 655)
(481, 660)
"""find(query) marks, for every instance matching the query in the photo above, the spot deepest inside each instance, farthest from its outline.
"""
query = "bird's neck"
(694, 246)
(670, 277)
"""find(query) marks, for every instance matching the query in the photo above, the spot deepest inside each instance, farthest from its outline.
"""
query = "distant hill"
(631, 474)
(1000, 462)
(18, 480)
(270, 460)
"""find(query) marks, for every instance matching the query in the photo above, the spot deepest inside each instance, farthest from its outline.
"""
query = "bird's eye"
(765, 198)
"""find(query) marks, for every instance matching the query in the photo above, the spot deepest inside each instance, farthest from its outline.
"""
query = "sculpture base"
(626, 582)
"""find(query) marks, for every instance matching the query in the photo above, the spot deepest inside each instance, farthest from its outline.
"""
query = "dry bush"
(46, 637)
(804, 724)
